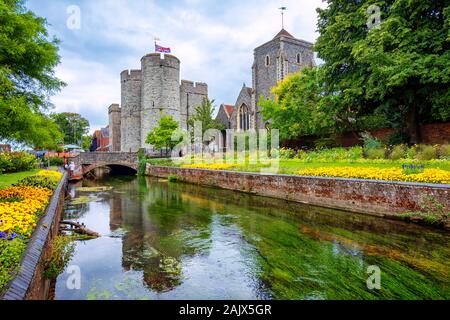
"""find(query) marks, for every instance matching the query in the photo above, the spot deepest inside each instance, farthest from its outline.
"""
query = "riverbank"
(387, 199)
(37, 227)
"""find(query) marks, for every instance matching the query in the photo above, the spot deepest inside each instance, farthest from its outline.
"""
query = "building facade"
(101, 140)
(147, 94)
(273, 62)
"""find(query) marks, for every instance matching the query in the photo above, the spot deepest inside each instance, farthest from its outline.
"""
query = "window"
(267, 61)
(244, 118)
(299, 58)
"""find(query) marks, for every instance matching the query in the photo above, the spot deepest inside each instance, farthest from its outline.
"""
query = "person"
(72, 168)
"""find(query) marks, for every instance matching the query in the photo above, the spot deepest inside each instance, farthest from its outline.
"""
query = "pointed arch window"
(267, 60)
(244, 118)
(299, 58)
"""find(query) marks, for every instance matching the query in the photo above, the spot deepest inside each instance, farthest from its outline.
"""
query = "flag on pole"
(161, 49)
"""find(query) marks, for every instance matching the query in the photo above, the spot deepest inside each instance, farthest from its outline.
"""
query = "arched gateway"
(87, 162)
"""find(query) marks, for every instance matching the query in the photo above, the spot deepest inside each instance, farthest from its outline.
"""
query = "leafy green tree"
(204, 114)
(73, 126)
(298, 108)
(87, 142)
(161, 136)
(401, 69)
(27, 61)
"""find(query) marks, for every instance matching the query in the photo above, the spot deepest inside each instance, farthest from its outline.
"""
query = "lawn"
(11, 178)
(292, 166)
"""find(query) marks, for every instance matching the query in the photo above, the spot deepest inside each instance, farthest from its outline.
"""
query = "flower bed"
(210, 166)
(391, 174)
(21, 207)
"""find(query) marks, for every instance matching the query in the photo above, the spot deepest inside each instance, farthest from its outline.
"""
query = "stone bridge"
(86, 162)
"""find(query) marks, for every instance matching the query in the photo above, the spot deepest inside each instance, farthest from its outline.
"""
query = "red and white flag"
(161, 49)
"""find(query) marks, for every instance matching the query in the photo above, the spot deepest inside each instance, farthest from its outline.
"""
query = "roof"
(284, 33)
(229, 109)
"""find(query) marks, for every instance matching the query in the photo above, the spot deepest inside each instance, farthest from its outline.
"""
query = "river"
(163, 240)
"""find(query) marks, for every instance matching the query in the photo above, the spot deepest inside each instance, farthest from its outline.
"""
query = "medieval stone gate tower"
(149, 93)
(160, 91)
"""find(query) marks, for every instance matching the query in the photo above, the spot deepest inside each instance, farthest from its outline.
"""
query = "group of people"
(70, 166)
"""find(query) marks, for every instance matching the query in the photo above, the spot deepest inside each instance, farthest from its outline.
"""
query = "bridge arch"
(89, 161)
(90, 167)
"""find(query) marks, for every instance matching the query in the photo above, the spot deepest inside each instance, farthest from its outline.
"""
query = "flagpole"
(282, 16)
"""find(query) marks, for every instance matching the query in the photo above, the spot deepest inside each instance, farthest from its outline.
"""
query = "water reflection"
(177, 241)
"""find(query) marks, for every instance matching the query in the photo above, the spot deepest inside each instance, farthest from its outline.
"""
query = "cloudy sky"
(214, 40)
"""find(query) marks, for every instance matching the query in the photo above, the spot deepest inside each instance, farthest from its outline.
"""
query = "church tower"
(273, 61)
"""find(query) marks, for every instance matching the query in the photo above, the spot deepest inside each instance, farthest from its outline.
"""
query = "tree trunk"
(412, 124)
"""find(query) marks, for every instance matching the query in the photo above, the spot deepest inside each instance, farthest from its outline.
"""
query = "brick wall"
(379, 198)
(436, 133)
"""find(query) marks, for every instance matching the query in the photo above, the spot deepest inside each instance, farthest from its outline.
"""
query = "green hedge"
(16, 162)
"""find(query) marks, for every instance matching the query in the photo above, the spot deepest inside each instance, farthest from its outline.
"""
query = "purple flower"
(13, 236)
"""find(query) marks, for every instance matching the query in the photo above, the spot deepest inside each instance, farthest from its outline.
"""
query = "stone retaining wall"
(381, 198)
(30, 283)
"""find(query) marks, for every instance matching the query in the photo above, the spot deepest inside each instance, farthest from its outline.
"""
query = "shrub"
(16, 162)
(38, 182)
(286, 153)
(61, 251)
(398, 152)
(56, 161)
(411, 152)
(426, 152)
(370, 142)
(444, 152)
(373, 154)
(355, 153)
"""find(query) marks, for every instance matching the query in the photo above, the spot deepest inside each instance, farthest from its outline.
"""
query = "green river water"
(163, 240)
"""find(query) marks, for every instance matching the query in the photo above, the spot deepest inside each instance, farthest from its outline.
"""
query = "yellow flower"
(21, 216)
(392, 174)
(210, 166)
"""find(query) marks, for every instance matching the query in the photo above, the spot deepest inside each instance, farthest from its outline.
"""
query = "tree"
(87, 142)
(401, 69)
(204, 114)
(73, 126)
(161, 136)
(27, 62)
(298, 108)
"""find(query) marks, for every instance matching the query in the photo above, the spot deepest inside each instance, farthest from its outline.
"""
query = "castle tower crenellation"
(148, 93)
(156, 90)
(192, 95)
(131, 84)
(160, 91)
(115, 119)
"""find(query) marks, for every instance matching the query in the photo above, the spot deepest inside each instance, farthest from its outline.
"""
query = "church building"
(273, 61)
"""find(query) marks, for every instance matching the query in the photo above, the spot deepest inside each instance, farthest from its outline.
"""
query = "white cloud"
(214, 42)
